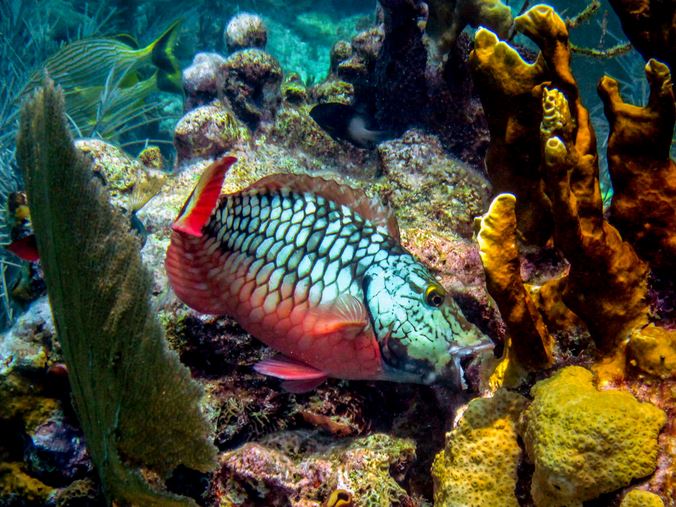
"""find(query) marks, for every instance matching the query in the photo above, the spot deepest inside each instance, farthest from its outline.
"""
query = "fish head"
(422, 333)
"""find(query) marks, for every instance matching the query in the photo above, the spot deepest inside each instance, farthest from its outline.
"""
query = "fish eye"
(434, 296)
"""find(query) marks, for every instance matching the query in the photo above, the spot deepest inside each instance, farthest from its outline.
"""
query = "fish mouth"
(462, 359)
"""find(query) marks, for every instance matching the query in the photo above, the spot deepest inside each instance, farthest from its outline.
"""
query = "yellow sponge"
(478, 466)
(640, 498)
(586, 442)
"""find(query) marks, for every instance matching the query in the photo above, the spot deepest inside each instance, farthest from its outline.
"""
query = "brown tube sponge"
(643, 175)
(530, 343)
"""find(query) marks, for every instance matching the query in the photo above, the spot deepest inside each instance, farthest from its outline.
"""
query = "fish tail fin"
(202, 201)
(188, 262)
(162, 55)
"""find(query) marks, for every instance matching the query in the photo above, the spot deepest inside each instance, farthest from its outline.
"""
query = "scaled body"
(326, 284)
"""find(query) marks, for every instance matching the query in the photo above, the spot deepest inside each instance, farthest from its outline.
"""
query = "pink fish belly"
(274, 311)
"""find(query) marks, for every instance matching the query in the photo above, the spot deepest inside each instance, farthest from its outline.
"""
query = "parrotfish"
(315, 270)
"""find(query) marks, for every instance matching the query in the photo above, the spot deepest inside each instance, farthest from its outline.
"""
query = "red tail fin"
(187, 262)
(202, 201)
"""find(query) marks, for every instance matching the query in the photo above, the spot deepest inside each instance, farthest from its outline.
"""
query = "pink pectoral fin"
(289, 369)
(345, 315)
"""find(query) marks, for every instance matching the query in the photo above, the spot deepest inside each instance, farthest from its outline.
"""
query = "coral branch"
(620, 49)
(584, 14)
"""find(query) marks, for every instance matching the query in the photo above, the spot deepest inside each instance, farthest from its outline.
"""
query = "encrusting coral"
(640, 498)
(643, 175)
(137, 404)
(584, 442)
(207, 131)
(245, 31)
(478, 466)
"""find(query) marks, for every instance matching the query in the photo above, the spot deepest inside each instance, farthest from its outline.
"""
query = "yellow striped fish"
(89, 62)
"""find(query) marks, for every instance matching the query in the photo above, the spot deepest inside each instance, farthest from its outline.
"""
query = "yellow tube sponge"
(643, 174)
(530, 343)
(586, 442)
(478, 467)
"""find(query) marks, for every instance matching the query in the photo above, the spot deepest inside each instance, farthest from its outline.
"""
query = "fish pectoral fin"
(288, 369)
(345, 315)
(298, 377)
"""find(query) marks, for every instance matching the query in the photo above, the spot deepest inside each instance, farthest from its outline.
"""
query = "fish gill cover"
(137, 404)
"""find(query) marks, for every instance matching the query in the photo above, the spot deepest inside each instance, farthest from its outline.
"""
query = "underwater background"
(522, 153)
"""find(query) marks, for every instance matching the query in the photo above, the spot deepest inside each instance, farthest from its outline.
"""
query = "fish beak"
(463, 356)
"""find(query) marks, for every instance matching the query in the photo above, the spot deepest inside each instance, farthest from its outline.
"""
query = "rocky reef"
(491, 168)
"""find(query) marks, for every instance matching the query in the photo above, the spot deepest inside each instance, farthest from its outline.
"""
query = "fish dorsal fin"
(369, 208)
(127, 39)
(203, 199)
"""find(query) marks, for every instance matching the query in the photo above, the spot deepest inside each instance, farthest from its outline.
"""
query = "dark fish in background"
(343, 122)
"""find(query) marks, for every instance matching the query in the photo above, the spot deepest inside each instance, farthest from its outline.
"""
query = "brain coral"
(478, 466)
(586, 442)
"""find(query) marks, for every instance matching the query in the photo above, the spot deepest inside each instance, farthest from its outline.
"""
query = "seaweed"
(137, 404)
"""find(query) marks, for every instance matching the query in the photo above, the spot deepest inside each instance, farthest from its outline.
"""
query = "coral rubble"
(307, 467)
